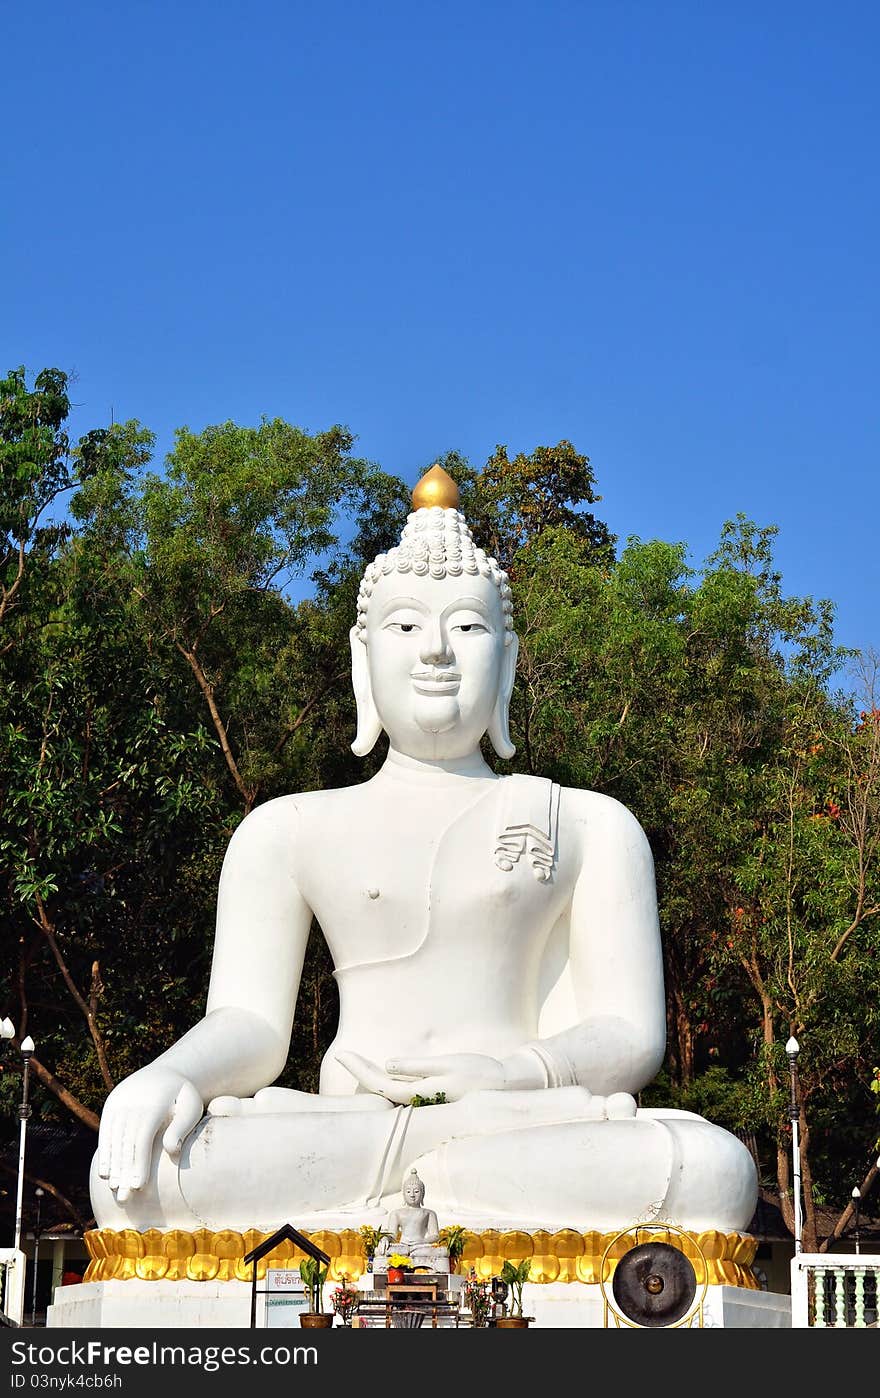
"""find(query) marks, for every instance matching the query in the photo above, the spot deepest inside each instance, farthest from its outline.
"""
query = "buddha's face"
(435, 652)
(412, 1191)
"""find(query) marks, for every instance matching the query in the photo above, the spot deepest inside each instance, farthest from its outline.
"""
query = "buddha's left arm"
(617, 1041)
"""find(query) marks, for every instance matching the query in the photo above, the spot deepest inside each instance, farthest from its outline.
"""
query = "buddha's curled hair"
(435, 543)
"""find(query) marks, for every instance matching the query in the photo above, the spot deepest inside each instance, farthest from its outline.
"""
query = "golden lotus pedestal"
(182, 1279)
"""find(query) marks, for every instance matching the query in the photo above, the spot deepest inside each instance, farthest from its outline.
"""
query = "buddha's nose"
(435, 646)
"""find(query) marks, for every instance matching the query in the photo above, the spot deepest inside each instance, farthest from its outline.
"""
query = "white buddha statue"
(412, 1230)
(494, 939)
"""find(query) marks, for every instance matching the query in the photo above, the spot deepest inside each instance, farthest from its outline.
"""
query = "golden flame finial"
(436, 488)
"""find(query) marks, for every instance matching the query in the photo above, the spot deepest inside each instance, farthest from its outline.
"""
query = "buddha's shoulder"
(595, 813)
(296, 811)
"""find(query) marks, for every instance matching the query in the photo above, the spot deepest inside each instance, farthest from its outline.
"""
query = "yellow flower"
(398, 1260)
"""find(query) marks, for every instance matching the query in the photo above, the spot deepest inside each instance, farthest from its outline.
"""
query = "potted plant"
(345, 1300)
(477, 1295)
(515, 1274)
(314, 1277)
(453, 1238)
(398, 1266)
(371, 1238)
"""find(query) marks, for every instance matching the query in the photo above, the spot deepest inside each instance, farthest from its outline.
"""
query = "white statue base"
(137, 1305)
(142, 1305)
(569, 1305)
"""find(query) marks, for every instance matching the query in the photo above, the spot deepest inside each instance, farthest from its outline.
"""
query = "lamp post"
(857, 1199)
(24, 1111)
(38, 1195)
(7, 1031)
(793, 1048)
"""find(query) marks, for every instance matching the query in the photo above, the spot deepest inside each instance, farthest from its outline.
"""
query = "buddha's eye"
(469, 626)
(406, 626)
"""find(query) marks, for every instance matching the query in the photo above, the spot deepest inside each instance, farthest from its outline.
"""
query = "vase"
(513, 1322)
(316, 1320)
(395, 1275)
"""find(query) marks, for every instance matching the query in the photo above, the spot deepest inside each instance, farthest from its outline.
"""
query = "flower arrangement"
(345, 1299)
(477, 1294)
(398, 1259)
(371, 1238)
(453, 1238)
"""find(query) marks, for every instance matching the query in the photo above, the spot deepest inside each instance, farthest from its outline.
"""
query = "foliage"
(371, 1237)
(417, 1100)
(35, 470)
(453, 1237)
(702, 701)
(510, 503)
(516, 1274)
(161, 672)
(314, 1275)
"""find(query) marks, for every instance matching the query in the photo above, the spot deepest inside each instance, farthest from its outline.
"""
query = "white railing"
(834, 1290)
(12, 1265)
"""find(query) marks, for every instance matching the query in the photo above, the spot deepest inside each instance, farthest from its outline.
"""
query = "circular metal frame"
(650, 1232)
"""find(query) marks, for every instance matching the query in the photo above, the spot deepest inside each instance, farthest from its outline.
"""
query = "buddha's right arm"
(241, 1044)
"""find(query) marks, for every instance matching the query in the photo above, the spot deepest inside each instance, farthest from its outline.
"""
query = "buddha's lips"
(436, 681)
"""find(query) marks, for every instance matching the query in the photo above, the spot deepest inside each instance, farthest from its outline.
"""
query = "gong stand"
(654, 1284)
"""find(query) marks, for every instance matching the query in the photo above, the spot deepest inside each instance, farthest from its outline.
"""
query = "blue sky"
(648, 227)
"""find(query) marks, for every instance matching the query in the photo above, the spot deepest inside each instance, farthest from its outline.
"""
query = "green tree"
(35, 469)
(163, 673)
(214, 545)
(696, 700)
(511, 502)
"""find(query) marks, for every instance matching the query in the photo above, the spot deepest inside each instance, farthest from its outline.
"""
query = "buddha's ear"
(499, 724)
(369, 725)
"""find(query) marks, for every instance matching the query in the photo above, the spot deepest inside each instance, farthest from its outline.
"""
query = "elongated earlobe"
(369, 725)
(499, 724)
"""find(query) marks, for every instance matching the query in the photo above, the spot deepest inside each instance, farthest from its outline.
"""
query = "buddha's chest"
(432, 863)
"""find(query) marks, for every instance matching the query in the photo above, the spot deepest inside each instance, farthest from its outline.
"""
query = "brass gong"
(654, 1285)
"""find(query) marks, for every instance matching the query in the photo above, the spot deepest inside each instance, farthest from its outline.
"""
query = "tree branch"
(88, 1010)
(208, 691)
(306, 710)
(856, 922)
(67, 1099)
(50, 1189)
(842, 1223)
(9, 593)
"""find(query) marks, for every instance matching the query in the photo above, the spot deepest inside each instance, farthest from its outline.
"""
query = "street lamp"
(793, 1048)
(24, 1111)
(38, 1195)
(857, 1199)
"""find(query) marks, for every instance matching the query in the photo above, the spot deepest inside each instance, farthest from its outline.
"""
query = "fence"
(834, 1291)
